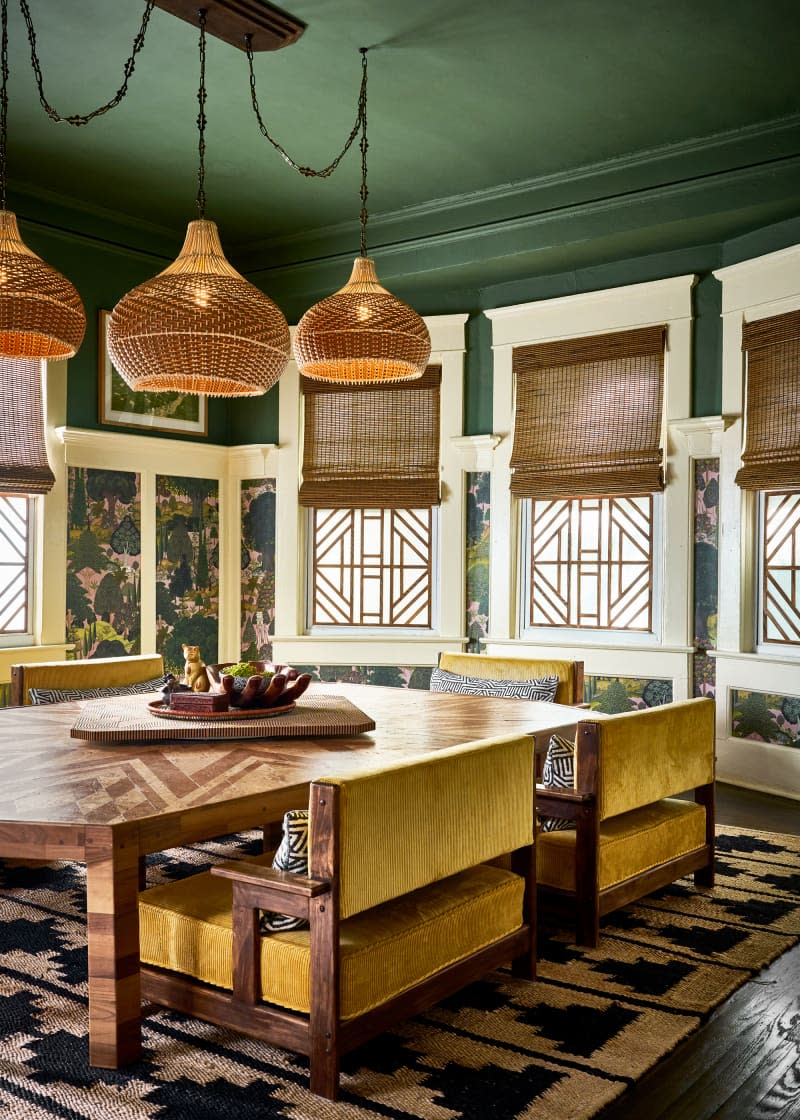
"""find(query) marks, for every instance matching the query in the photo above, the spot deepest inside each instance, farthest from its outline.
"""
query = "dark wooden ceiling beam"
(230, 20)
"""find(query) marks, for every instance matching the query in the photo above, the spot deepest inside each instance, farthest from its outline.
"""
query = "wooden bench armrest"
(282, 882)
(573, 796)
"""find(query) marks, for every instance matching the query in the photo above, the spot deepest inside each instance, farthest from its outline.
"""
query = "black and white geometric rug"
(559, 1048)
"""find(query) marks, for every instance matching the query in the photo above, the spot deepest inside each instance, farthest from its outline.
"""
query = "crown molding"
(661, 168)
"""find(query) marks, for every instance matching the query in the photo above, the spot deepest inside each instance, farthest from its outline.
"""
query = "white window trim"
(638, 305)
(291, 642)
(753, 289)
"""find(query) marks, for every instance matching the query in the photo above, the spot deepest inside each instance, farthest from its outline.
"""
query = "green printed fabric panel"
(187, 568)
(625, 694)
(104, 562)
(258, 568)
(706, 562)
(478, 528)
(766, 717)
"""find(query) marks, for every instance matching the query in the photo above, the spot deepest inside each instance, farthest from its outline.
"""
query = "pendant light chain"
(201, 119)
(3, 103)
(77, 118)
(309, 172)
(364, 145)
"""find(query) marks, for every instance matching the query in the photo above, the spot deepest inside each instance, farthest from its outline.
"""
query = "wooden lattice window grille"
(15, 520)
(780, 543)
(591, 563)
(371, 567)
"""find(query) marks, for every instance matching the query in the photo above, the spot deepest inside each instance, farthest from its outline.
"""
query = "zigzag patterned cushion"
(292, 855)
(558, 773)
(543, 688)
(60, 695)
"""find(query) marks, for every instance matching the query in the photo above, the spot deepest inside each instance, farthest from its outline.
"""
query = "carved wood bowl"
(255, 691)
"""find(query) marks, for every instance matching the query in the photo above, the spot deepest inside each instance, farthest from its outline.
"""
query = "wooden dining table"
(108, 804)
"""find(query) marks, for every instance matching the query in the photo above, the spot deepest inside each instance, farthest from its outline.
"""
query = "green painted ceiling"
(506, 139)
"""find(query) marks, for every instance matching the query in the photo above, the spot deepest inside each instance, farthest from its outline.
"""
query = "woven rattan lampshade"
(199, 327)
(41, 314)
(362, 333)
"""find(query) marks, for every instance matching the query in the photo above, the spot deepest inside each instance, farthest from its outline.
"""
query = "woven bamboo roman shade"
(24, 468)
(372, 446)
(588, 416)
(771, 455)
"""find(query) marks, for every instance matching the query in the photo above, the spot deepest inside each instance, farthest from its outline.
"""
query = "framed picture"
(163, 412)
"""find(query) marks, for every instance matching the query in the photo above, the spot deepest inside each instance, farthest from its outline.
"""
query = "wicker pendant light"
(362, 333)
(41, 314)
(199, 326)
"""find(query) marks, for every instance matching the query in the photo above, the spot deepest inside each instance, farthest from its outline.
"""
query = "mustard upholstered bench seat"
(398, 909)
(630, 844)
(187, 927)
(631, 833)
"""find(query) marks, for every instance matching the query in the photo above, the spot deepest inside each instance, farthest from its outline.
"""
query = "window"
(780, 567)
(15, 557)
(371, 481)
(587, 460)
(590, 562)
(24, 471)
(371, 567)
(771, 467)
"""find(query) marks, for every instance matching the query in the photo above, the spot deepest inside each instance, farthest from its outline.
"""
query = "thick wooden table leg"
(112, 873)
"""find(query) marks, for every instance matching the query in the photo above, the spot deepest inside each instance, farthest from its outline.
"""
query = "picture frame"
(118, 404)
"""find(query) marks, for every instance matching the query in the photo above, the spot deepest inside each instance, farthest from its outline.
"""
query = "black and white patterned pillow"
(292, 855)
(558, 773)
(60, 695)
(541, 688)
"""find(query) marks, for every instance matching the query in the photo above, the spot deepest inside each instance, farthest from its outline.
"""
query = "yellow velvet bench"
(631, 833)
(401, 908)
(101, 672)
(569, 689)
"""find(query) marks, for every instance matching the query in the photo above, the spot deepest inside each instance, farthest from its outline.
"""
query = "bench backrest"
(569, 673)
(101, 672)
(646, 755)
(405, 827)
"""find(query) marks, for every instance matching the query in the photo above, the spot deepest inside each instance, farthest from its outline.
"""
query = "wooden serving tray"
(158, 709)
(129, 719)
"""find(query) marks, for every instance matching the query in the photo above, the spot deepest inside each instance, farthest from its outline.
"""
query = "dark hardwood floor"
(744, 1062)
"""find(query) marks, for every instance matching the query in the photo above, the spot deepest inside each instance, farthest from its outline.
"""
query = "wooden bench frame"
(581, 805)
(322, 1035)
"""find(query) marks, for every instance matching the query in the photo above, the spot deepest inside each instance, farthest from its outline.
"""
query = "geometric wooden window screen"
(592, 563)
(14, 554)
(781, 568)
(371, 567)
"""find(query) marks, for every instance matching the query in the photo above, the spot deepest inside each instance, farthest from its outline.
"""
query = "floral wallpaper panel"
(104, 561)
(625, 694)
(706, 564)
(766, 717)
(187, 568)
(477, 544)
(258, 568)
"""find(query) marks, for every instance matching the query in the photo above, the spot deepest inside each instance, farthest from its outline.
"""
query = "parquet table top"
(109, 804)
(47, 776)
